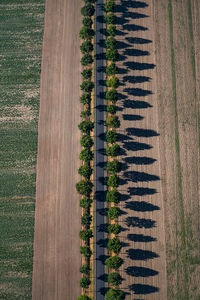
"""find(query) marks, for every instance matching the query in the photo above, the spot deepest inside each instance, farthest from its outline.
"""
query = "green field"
(21, 32)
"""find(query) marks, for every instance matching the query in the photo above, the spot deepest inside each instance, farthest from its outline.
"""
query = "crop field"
(21, 31)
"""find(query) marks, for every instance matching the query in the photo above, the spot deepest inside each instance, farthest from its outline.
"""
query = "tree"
(84, 297)
(86, 155)
(111, 69)
(113, 196)
(85, 202)
(85, 282)
(85, 234)
(113, 121)
(86, 251)
(110, 18)
(85, 99)
(86, 220)
(84, 187)
(113, 181)
(112, 55)
(113, 166)
(86, 141)
(114, 279)
(114, 245)
(110, 5)
(113, 213)
(114, 228)
(87, 10)
(85, 113)
(87, 86)
(85, 171)
(111, 136)
(112, 95)
(112, 82)
(85, 269)
(111, 43)
(113, 150)
(114, 262)
(86, 33)
(86, 126)
(115, 294)
(111, 30)
(86, 60)
(86, 47)
(87, 73)
(87, 22)
(111, 109)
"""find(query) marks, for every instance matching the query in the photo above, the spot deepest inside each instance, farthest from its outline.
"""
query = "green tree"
(85, 202)
(112, 55)
(86, 126)
(110, 18)
(86, 33)
(85, 251)
(87, 73)
(114, 228)
(113, 213)
(111, 30)
(86, 47)
(113, 181)
(110, 5)
(85, 99)
(87, 22)
(84, 297)
(86, 155)
(85, 113)
(86, 141)
(114, 279)
(87, 10)
(84, 187)
(111, 109)
(87, 86)
(111, 69)
(113, 196)
(113, 150)
(115, 294)
(112, 95)
(114, 245)
(86, 220)
(85, 171)
(113, 166)
(112, 82)
(111, 43)
(111, 136)
(85, 269)
(113, 121)
(85, 234)
(114, 262)
(86, 60)
(85, 282)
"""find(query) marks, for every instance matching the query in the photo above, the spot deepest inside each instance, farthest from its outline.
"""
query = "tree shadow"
(133, 27)
(141, 238)
(139, 66)
(136, 79)
(136, 146)
(102, 243)
(130, 117)
(136, 52)
(141, 272)
(140, 132)
(139, 160)
(102, 258)
(104, 277)
(100, 107)
(143, 289)
(139, 254)
(136, 104)
(122, 45)
(135, 176)
(141, 191)
(140, 222)
(136, 40)
(122, 71)
(141, 206)
(137, 92)
(123, 137)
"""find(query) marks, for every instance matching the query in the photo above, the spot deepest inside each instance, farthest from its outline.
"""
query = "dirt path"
(57, 219)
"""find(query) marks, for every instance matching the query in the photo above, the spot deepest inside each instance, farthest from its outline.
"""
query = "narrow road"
(99, 156)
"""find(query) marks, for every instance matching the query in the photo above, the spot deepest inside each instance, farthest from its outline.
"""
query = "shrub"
(86, 60)
(113, 196)
(85, 202)
(113, 166)
(113, 121)
(86, 251)
(114, 228)
(85, 171)
(86, 141)
(113, 181)
(84, 187)
(87, 22)
(87, 10)
(110, 18)
(86, 220)
(86, 33)
(85, 99)
(87, 86)
(112, 55)
(114, 262)
(115, 294)
(85, 269)
(111, 69)
(85, 282)
(86, 126)
(113, 213)
(110, 5)
(111, 136)
(114, 279)
(111, 109)
(113, 82)
(111, 30)
(86, 155)
(113, 150)
(85, 113)
(85, 234)
(111, 43)
(114, 245)
(112, 95)
(84, 297)
(86, 74)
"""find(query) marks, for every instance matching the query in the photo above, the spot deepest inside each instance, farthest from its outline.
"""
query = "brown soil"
(57, 219)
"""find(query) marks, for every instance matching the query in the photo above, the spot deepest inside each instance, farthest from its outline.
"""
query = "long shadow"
(141, 206)
(139, 160)
(140, 132)
(136, 52)
(129, 117)
(138, 92)
(139, 66)
(141, 191)
(135, 176)
(139, 254)
(122, 45)
(133, 27)
(143, 289)
(136, 104)
(141, 272)
(136, 40)
(123, 137)
(102, 243)
(140, 222)
(141, 238)
(136, 79)
(136, 146)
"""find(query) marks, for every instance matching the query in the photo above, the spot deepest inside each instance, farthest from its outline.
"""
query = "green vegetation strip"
(21, 31)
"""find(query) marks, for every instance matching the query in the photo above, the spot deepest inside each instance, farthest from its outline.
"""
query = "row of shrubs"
(85, 185)
(113, 166)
